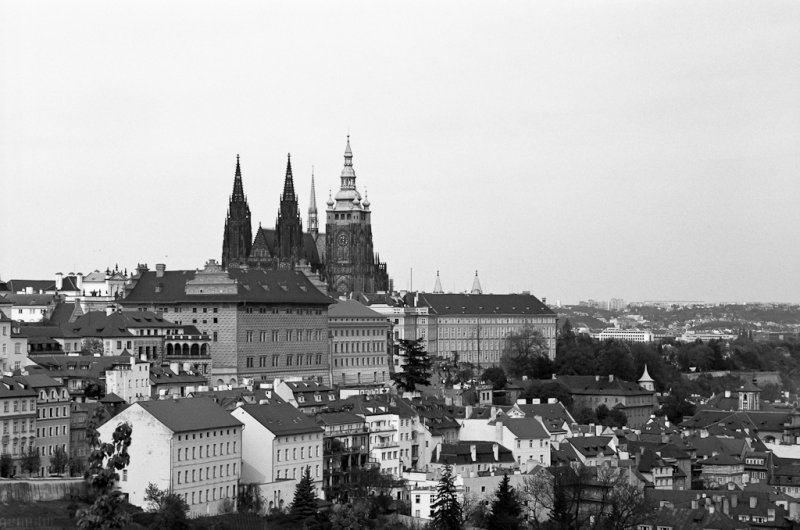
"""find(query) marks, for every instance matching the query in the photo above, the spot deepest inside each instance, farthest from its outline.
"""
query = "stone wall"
(40, 490)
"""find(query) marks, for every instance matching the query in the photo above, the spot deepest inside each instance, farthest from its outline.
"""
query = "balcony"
(383, 445)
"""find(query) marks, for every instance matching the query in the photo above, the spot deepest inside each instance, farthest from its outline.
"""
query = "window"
(289, 360)
(250, 336)
(249, 362)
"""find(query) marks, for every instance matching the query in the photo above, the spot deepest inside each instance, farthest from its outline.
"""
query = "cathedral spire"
(288, 183)
(238, 189)
(348, 173)
(313, 222)
(437, 287)
(476, 285)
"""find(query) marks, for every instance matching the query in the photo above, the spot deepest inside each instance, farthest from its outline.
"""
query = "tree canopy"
(416, 366)
(506, 509)
(447, 514)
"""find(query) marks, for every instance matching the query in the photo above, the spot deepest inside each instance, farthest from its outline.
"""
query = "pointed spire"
(437, 287)
(348, 173)
(288, 183)
(238, 189)
(313, 222)
(476, 285)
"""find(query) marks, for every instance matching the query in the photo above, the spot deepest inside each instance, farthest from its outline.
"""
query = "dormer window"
(301, 399)
(317, 397)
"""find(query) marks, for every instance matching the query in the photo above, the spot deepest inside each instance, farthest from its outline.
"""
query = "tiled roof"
(189, 414)
(554, 415)
(591, 385)
(44, 332)
(37, 285)
(30, 299)
(282, 419)
(771, 421)
(352, 309)
(162, 375)
(591, 446)
(252, 285)
(721, 460)
(117, 324)
(12, 388)
(483, 304)
(461, 454)
(71, 366)
(523, 428)
(37, 380)
(338, 418)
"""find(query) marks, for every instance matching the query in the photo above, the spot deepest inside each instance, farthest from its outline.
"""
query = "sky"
(644, 150)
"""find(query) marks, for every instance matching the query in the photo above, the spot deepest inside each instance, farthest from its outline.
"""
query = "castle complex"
(342, 259)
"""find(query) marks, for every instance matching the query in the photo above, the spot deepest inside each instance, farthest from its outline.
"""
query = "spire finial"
(288, 183)
(476, 285)
(238, 189)
(437, 287)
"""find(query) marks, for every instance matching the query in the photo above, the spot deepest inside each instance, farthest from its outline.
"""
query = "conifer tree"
(416, 366)
(506, 509)
(304, 504)
(447, 513)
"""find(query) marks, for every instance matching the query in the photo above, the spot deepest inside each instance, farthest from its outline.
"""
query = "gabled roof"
(592, 446)
(117, 324)
(483, 304)
(352, 309)
(189, 414)
(523, 428)
(38, 380)
(12, 388)
(162, 375)
(554, 415)
(31, 299)
(338, 418)
(282, 419)
(461, 454)
(603, 385)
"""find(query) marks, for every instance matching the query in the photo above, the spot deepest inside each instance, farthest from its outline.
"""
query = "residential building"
(345, 450)
(190, 447)
(307, 395)
(279, 442)
(129, 379)
(471, 458)
(263, 324)
(52, 416)
(592, 391)
(358, 343)
(17, 419)
(174, 381)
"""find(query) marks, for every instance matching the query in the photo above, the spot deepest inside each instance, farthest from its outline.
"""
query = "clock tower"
(351, 265)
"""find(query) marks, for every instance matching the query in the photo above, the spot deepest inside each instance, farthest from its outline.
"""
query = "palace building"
(341, 260)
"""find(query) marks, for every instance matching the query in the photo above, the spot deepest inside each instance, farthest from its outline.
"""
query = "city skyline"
(573, 150)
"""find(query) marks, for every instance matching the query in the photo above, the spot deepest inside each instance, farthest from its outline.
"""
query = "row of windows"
(211, 450)
(294, 453)
(296, 472)
(290, 335)
(211, 473)
(358, 332)
(358, 377)
(360, 361)
(16, 405)
(291, 360)
(210, 495)
(288, 311)
(209, 434)
(359, 347)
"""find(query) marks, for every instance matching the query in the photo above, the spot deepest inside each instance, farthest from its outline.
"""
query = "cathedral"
(341, 260)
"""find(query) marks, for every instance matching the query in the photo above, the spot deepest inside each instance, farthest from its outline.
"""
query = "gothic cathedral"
(340, 260)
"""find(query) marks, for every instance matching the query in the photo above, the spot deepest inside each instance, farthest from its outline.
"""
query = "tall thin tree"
(506, 509)
(447, 514)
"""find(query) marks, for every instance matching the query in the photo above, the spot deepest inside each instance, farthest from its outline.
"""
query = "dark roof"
(553, 415)
(189, 414)
(252, 285)
(30, 299)
(16, 286)
(282, 419)
(338, 418)
(38, 380)
(721, 460)
(12, 388)
(352, 309)
(117, 324)
(523, 428)
(163, 375)
(111, 397)
(461, 453)
(72, 366)
(762, 420)
(591, 385)
(591, 446)
(483, 304)
(32, 331)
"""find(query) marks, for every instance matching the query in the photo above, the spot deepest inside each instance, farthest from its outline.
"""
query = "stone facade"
(359, 345)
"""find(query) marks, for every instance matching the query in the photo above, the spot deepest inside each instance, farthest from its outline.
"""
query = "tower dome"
(646, 381)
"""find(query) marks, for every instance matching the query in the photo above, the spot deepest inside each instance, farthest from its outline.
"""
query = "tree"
(496, 376)
(31, 461)
(615, 359)
(525, 353)
(304, 504)
(170, 508)
(105, 460)
(59, 461)
(249, 500)
(416, 367)
(547, 390)
(446, 508)
(6, 465)
(585, 416)
(506, 508)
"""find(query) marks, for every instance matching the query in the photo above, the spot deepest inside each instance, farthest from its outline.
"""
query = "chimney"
(498, 430)
(753, 502)
(522, 401)
(79, 281)
(59, 281)
(610, 378)
(109, 310)
(727, 393)
(536, 401)
(473, 453)
(734, 501)
(597, 378)
(725, 506)
(496, 451)
(438, 452)
(175, 367)
(711, 509)
(592, 429)
(160, 268)
(770, 514)
(552, 401)
(554, 376)
(694, 504)
(467, 412)
(524, 377)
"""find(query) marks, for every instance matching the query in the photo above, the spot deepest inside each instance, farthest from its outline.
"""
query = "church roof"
(252, 285)
(483, 304)
(645, 376)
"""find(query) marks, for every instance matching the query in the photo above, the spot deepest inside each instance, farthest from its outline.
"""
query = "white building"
(526, 437)
(191, 447)
(631, 335)
(279, 442)
(129, 380)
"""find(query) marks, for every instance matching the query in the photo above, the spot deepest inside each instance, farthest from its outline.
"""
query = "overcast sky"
(633, 149)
